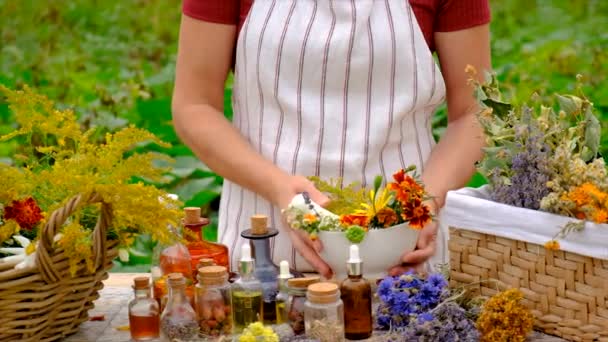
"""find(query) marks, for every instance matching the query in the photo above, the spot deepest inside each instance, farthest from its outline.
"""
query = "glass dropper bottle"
(356, 294)
(246, 293)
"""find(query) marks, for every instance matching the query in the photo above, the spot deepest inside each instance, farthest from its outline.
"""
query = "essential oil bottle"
(283, 295)
(246, 293)
(356, 294)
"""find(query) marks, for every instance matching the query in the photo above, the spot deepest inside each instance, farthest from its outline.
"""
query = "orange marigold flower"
(310, 218)
(386, 217)
(405, 187)
(416, 213)
(600, 216)
(26, 213)
(354, 220)
(552, 245)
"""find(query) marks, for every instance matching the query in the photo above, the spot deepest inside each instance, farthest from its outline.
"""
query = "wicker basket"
(567, 292)
(45, 303)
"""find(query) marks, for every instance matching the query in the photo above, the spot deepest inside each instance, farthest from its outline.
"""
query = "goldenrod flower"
(552, 245)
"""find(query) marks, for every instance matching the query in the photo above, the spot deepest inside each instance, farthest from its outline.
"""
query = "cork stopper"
(212, 271)
(192, 215)
(323, 293)
(259, 224)
(141, 282)
(204, 262)
(302, 283)
(176, 279)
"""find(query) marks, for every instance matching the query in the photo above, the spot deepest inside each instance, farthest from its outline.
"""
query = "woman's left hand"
(425, 248)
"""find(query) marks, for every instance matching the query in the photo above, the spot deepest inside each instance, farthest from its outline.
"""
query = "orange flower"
(600, 216)
(27, 213)
(310, 218)
(552, 245)
(386, 217)
(354, 220)
(405, 187)
(416, 213)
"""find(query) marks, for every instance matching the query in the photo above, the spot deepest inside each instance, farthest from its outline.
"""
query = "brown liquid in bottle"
(357, 297)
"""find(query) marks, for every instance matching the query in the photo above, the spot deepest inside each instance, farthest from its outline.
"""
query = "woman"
(333, 88)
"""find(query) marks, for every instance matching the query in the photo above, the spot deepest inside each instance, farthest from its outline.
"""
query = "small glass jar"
(213, 304)
(296, 288)
(178, 321)
(324, 313)
(143, 312)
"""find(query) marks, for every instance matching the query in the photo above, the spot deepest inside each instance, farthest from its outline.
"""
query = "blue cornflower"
(425, 317)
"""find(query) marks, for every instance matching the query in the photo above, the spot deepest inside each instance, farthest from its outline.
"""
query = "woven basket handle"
(48, 270)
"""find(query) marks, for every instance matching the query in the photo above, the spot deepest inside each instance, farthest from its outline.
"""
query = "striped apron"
(332, 88)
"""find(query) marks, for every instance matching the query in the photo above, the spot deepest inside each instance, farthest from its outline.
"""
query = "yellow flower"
(504, 318)
(257, 328)
(376, 202)
(552, 245)
(8, 229)
(247, 337)
(600, 216)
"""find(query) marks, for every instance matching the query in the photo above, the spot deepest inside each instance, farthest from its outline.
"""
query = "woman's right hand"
(306, 247)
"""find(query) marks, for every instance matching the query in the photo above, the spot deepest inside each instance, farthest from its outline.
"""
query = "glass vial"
(324, 313)
(246, 294)
(213, 304)
(356, 294)
(297, 288)
(143, 312)
(283, 295)
(178, 321)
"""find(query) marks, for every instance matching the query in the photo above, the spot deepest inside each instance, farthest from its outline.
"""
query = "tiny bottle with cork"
(178, 321)
(282, 298)
(246, 294)
(356, 294)
(213, 304)
(143, 312)
(266, 271)
(198, 247)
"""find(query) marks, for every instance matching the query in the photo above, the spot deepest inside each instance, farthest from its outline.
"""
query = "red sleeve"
(215, 11)
(454, 15)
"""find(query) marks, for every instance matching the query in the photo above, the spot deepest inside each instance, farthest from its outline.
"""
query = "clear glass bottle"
(143, 312)
(213, 304)
(296, 288)
(324, 313)
(246, 294)
(283, 295)
(356, 294)
(178, 321)
(198, 247)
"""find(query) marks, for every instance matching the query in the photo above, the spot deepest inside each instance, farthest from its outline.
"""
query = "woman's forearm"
(224, 150)
(452, 161)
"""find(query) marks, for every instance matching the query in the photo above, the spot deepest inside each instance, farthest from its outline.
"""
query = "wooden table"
(112, 306)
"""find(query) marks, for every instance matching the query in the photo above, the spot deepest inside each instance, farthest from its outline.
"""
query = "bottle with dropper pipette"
(246, 293)
(356, 293)
(283, 295)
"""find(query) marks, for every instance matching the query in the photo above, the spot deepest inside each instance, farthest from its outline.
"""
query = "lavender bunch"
(403, 298)
(530, 173)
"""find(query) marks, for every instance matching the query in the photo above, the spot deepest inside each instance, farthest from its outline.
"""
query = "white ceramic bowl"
(379, 250)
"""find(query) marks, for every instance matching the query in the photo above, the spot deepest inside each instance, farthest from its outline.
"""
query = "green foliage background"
(113, 61)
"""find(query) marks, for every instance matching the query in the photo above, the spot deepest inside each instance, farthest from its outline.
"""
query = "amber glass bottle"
(356, 293)
(198, 247)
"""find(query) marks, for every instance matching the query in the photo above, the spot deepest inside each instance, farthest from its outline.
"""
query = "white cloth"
(333, 89)
(470, 209)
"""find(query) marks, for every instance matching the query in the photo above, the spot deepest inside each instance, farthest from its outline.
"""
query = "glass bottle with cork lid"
(178, 320)
(296, 288)
(356, 294)
(324, 313)
(213, 303)
(198, 247)
(246, 294)
(143, 312)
